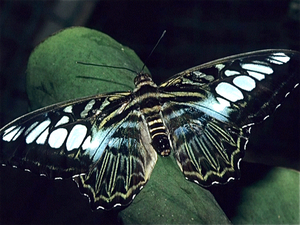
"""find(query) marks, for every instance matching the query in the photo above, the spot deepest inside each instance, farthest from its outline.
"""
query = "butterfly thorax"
(150, 108)
(143, 79)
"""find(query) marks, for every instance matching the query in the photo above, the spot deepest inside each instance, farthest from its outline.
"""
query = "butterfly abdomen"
(158, 134)
(151, 108)
(157, 130)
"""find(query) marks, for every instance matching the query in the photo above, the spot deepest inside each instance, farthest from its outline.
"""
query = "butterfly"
(108, 143)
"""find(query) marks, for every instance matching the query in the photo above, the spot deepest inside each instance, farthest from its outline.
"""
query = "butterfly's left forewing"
(38, 141)
(95, 140)
(209, 109)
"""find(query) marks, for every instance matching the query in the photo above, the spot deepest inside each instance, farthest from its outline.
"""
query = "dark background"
(197, 32)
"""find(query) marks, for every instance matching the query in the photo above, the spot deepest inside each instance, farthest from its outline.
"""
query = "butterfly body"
(109, 143)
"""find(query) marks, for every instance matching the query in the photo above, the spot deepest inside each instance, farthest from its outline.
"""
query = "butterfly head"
(143, 79)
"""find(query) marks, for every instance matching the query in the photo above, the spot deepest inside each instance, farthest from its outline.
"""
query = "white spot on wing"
(121, 109)
(78, 175)
(68, 109)
(37, 131)
(238, 163)
(274, 61)
(197, 73)
(245, 147)
(244, 82)
(63, 120)
(31, 127)
(43, 137)
(57, 137)
(248, 125)
(229, 92)
(220, 66)
(86, 143)
(256, 75)
(222, 104)
(76, 136)
(9, 129)
(118, 204)
(13, 134)
(279, 58)
(87, 108)
(277, 106)
(230, 178)
(231, 72)
(257, 68)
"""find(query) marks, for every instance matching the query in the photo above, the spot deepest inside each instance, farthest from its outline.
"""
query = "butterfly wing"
(207, 150)
(209, 109)
(94, 140)
(123, 166)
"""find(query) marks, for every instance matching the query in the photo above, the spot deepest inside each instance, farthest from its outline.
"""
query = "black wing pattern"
(109, 143)
(108, 155)
(211, 108)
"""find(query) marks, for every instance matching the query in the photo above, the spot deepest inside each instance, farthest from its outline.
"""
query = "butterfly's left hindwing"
(123, 166)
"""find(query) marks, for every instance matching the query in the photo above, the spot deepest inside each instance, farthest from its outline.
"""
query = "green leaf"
(168, 198)
(271, 200)
(54, 76)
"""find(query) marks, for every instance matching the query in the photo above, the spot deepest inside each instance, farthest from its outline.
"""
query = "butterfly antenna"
(115, 67)
(153, 49)
(124, 68)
